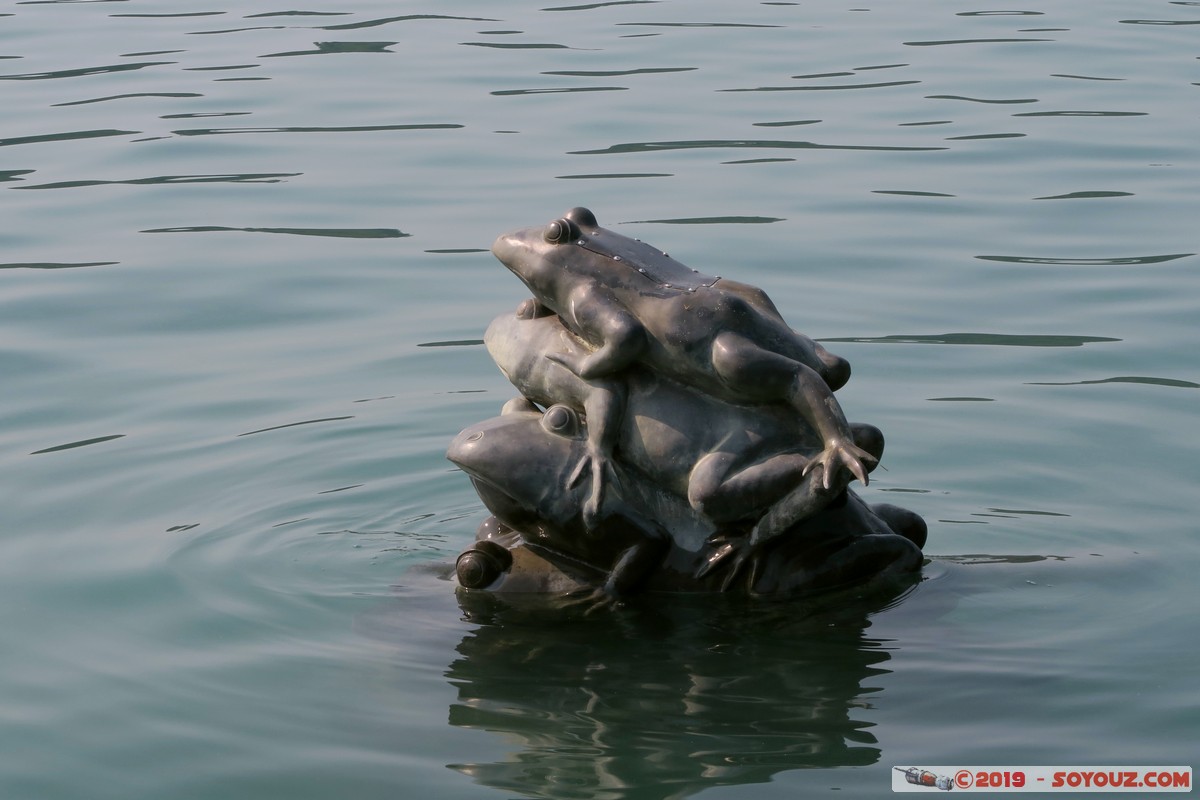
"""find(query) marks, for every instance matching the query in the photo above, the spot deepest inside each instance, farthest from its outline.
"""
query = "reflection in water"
(666, 702)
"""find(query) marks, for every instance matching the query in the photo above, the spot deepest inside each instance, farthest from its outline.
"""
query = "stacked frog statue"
(672, 433)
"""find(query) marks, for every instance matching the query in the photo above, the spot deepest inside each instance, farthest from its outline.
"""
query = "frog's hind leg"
(745, 487)
(762, 376)
(725, 488)
(752, 373)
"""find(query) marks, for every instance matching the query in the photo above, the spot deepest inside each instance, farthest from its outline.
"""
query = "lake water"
(243, 266)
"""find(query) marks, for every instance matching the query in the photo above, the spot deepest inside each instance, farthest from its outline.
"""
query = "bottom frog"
(649, 539)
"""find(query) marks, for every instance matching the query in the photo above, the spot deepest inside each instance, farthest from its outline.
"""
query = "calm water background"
(235, 234)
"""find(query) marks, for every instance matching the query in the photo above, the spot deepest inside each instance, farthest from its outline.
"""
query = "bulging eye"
(561, 420)
(561, 231)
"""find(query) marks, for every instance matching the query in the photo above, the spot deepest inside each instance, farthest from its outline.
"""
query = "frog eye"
(561, 420)
(561, 231)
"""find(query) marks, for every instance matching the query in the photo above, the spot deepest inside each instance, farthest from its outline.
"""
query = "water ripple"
(558, 90)
(727, 220)
(207, 115)
(1084, 195)
(776, 160)
(179, 14)
(971, 41)
(309, 129)
(81, 443)
(338, 233)
(68, 135)
(769, 144)
(518, 45)
(222, 68)
(882, 85)
(616, 73)
(58, 264)
(1170, 382)
(990, 339)
(910, 193)
(296, 424)
(253, 177)
(1082, 114)
(600, 175)
(786, 123)
(590, 6)
(299, 14)
(1016, 101)
(125, 97)
(977, 136)
(1161, 21)
(325, 48)
(1088, 262)
(375, 23)
(82, 71)
(1084, 77)
(145, 53)
(695, 25)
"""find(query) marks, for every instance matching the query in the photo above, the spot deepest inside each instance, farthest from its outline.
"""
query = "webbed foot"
(839, 453)
(602, 473)
(734, 553)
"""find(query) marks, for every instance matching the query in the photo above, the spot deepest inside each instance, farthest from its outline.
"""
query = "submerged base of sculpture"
(672, 434)
(849, 544)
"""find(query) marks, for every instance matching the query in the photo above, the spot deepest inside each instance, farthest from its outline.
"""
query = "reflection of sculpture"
(660, 703)
(690, 439)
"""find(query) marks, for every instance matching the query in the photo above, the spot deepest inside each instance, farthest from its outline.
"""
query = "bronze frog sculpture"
(671, 429)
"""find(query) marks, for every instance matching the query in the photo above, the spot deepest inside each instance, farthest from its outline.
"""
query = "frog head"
(555, 258)
(520, 463)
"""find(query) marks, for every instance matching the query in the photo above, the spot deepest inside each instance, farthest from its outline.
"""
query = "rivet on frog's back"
(647, 260)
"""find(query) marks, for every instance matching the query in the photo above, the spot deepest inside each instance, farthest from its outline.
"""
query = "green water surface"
(235, 235)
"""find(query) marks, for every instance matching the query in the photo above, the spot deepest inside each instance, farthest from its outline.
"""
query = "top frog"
(635, 304)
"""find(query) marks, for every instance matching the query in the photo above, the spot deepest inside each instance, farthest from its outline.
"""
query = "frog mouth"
(509, 249)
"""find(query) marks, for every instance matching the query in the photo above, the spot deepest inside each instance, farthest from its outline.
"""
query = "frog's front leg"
(618, 338)
(604, 410)
(532, 308)
(636, 563)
